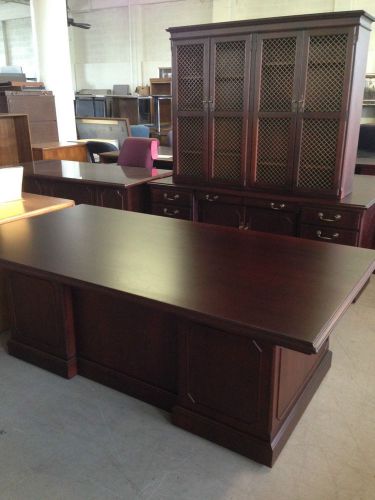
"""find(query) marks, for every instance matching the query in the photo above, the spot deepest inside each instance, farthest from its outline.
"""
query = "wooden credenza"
(350, 221)
(226, 329)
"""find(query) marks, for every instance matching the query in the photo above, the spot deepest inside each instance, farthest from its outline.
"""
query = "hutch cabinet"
(271, 105)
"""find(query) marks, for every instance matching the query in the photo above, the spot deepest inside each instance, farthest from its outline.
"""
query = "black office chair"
(96, 147)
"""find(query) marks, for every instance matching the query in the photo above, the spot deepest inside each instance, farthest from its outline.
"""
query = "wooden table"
(226, 329)
(164, 160)
(29, 206)
(74, 151)
(110, 186)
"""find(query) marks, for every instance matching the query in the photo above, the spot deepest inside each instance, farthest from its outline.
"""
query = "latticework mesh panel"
(190, 146)
(229, 75)
(273, 147)
(326, 71)
(277, 79)
(318, 154)
(228, 140)
(190, 77)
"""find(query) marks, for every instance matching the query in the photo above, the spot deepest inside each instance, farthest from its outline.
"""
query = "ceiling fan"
(71, 21)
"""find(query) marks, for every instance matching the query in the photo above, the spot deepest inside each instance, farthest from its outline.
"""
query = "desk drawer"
(333, 235)
(331, 217)
(171, 196)
(171, 211)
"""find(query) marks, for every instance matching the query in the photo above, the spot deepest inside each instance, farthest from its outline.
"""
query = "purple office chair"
(138, 152)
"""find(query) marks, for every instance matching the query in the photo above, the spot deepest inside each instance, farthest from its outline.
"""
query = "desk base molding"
(262, 451)
(64, 368)
(153, 395)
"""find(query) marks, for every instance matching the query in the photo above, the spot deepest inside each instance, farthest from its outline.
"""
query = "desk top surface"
(31, 205)
(92, 172)
(284, 290)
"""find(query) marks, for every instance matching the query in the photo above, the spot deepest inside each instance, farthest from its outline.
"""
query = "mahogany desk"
(226, 329)
(29, 206)
(110, 186)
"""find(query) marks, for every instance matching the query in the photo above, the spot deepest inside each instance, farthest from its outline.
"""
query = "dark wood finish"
(292, 215)
(60, 151)
(163, 327)
(305, 82)
(40, 109)
(109, 186)
(14, 139)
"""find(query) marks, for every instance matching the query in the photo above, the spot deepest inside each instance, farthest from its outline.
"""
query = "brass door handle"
(325, 219)
(171, 198)
(170, 213)
(281, 206)
(333, 237)
(210, 197)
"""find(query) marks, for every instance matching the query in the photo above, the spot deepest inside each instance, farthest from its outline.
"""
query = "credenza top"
(284, 290)
(92, 172)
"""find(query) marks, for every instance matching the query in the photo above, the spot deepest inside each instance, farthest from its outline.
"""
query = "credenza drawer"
(331, 217)
(275, 205)
(171, 211)
(333, 235)
(171, 196)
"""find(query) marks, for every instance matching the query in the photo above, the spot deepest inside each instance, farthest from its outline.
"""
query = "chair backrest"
(139, 131)
(138, 152)
(96, 147)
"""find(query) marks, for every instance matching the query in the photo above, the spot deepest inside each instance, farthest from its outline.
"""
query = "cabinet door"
(275, 104)
(216, 209)
(259, 219)
(228, 109)
(323, 104)
(190, 109)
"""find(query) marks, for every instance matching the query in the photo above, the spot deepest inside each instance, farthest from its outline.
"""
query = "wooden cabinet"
(300, 80)
(15, 144)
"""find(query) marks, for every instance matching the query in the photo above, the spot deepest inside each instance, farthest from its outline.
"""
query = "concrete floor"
(76, 439)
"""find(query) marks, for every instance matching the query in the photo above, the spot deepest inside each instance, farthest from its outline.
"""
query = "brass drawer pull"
(325, 219)
(171, 198)
(210, 197)
(277, 207)
(333, 237)
(170, 213)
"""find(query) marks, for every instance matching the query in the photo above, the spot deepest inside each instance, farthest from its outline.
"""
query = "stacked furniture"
(39, 105)
(266, 123)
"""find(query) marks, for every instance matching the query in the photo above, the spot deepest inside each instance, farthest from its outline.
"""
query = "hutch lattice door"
(211, 117)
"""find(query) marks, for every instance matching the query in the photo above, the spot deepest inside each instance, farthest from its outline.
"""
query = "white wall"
(127, 42)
